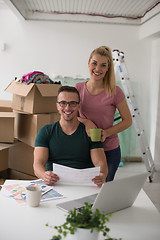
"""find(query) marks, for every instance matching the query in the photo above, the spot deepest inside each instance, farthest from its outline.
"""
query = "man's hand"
(50, 178)
(99, 180)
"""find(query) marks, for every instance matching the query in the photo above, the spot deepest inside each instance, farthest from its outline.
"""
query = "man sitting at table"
(66, 142)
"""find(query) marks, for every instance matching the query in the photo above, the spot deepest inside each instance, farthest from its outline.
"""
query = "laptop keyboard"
(79, 209)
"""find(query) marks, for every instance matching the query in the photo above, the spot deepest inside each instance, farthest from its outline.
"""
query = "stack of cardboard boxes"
(6, 133)
(34, 106)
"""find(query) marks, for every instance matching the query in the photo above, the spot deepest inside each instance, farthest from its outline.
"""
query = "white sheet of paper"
(74, 176)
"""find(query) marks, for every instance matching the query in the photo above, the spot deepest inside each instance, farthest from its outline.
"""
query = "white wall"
(155, 102)
(63, 48)
(151, 30)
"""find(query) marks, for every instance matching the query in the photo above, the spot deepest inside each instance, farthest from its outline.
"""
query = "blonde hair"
(109, 79)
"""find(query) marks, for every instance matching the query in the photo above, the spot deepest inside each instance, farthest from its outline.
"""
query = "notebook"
(112, 197)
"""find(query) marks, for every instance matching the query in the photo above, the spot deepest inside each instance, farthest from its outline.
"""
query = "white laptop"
(112, 197)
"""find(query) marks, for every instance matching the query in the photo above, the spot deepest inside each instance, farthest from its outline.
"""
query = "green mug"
(95, 134)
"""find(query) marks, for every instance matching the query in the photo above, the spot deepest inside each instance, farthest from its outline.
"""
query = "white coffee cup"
(33, 195)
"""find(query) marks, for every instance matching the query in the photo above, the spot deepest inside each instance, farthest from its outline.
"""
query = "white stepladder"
(120, 68)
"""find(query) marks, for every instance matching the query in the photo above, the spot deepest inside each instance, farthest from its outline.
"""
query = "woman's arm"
(88, 124)
(121, 126)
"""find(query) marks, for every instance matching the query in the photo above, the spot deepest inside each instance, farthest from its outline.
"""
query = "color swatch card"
(17, 192)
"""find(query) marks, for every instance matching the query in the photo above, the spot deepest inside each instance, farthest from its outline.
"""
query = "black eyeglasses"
(71, 103)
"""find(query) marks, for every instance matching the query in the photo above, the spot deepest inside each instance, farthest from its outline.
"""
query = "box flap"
(5, 103)
(19, 88)
(5, 106)
(48, 90)
(5, 146)
(7, 115)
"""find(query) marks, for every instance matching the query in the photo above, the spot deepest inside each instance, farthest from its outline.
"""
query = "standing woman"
(99, 99)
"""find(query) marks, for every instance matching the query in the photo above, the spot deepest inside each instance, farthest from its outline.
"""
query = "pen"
(46, 191)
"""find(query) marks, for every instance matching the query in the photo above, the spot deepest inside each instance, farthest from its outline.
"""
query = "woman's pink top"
(100, 109)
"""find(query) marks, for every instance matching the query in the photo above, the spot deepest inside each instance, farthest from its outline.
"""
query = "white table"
(139, 222)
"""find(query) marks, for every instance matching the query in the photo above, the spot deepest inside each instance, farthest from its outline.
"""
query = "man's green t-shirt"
(69, 150)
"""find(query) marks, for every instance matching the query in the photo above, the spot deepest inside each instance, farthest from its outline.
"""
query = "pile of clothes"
(36, 77)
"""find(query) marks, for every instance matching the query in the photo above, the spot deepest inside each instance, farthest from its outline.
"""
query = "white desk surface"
(139, 222)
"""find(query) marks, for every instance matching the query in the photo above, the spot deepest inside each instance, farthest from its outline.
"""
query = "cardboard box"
(7, 127)
(21, 157)
(13, 174)
(5, 106)
(1, 182)
(34, 98)
(27, 125)
(3, 157)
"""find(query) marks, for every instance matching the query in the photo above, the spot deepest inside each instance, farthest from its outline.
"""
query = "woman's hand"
(88, 124)
(104, 135)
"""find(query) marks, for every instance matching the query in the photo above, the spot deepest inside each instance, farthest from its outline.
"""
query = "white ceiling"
(110, 11)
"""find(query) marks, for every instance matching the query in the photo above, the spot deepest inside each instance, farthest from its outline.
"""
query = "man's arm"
(40, 160)
(99, 160)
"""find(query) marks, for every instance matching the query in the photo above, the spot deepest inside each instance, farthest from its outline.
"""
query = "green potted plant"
(84, 224)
